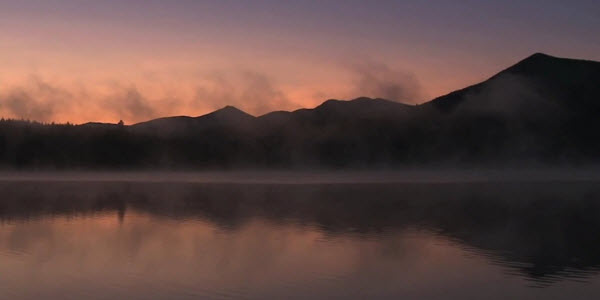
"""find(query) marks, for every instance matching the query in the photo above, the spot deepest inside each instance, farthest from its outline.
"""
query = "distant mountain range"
(542, 110)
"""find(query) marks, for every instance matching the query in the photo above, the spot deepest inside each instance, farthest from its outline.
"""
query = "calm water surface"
(151, 240)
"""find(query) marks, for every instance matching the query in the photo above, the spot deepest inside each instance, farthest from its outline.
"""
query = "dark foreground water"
(151, 240)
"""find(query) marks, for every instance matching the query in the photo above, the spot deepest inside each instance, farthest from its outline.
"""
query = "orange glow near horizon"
(136, 91)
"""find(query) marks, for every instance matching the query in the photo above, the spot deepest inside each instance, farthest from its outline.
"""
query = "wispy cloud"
(42, 100)
(35, 100)
(130, 104)
(379, 80)
(248, 90)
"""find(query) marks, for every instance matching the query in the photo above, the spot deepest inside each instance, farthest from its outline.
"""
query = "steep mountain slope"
(545, 79)
(541, 108)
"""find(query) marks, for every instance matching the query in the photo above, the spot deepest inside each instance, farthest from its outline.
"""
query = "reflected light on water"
(185, 241)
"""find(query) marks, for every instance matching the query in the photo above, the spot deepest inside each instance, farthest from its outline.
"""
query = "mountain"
(228, 116)
(543, 109)
(571, 83)
(331, 111)
(362, 108)
(100, 125)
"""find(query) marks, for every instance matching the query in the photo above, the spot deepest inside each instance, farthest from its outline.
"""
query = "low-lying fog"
(311, 177)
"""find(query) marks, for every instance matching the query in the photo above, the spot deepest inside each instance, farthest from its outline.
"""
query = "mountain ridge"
(542, 109)
(443, 103)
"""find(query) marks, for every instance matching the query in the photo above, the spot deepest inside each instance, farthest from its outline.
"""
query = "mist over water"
(534, 173)
(312, 237)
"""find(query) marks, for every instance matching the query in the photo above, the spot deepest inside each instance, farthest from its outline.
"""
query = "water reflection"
(184, 240)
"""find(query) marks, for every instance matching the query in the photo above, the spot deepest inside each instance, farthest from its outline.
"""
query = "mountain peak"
(331, 103)
(230, 111)
(539, 55)
(533, 61)
(360, 107)
(540, 73)
(359, 101)
(545, 66)
(228, 114)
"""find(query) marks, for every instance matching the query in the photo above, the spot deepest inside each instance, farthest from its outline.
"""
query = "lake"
(135, 237)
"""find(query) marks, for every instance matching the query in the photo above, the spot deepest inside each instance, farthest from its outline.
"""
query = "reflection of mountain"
(542, 110)
(545, 231)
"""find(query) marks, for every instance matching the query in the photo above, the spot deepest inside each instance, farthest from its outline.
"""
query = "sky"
(87, 60)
